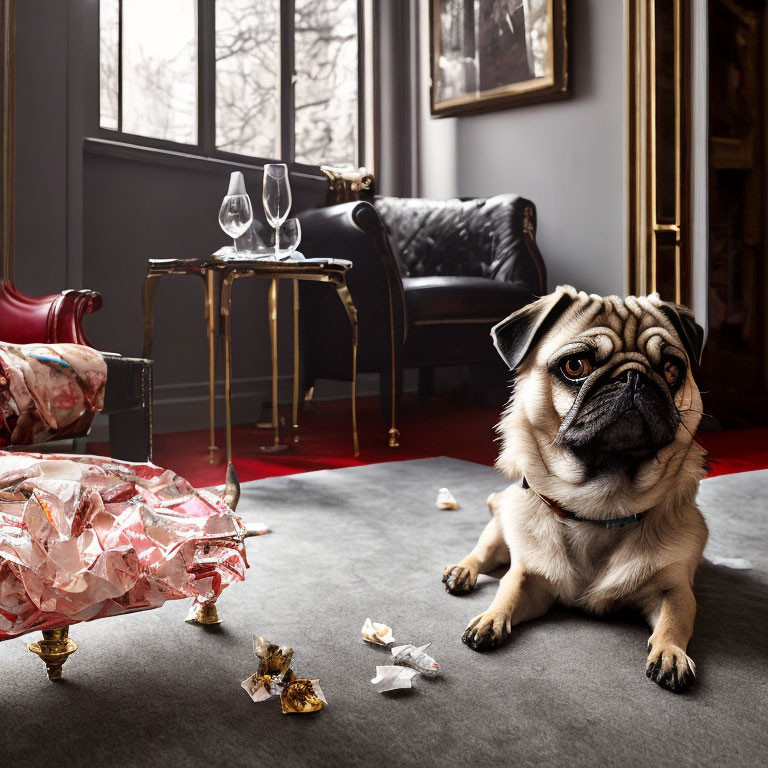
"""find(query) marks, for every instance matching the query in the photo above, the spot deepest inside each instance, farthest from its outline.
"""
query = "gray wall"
(567, 156)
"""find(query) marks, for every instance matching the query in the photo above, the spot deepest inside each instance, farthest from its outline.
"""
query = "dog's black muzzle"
(621, 422)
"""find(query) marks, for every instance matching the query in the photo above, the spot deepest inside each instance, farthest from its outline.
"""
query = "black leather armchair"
(429, 280)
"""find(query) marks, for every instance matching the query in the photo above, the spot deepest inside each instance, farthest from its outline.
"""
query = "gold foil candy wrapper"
(274, 660)
(275, 677)
(301, 696)
(446, 500)
(416, 658)
(378, 634)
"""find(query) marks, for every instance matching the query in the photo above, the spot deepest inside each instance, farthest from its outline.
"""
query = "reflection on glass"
(109, 36)
(276, 197)
(288, 237)
(160, 69)
(326, 81)
(248, 77)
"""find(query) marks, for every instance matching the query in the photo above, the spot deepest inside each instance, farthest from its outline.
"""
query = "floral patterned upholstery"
(48, 391)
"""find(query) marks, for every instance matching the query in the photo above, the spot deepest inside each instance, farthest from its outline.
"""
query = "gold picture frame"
(496, 54)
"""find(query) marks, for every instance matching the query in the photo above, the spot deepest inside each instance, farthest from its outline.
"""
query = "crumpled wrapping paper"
(48, 391)
(83, 537)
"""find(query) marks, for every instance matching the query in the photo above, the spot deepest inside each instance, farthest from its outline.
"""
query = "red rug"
(437, 428)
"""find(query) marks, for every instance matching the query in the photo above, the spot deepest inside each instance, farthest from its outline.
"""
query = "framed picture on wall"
(494, 54)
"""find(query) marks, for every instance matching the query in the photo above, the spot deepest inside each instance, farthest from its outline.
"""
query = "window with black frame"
(257, 78)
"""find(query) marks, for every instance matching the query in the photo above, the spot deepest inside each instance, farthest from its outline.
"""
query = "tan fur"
(647, 565)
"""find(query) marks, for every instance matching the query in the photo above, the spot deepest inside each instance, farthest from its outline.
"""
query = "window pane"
(109, 31)
(326, 81)
(248, 77)
(160, 69)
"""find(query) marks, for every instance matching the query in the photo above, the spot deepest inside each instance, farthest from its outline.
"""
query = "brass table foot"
(212, 453)
(394, 438)
(54, 649)
(275, 448)
(203, 613)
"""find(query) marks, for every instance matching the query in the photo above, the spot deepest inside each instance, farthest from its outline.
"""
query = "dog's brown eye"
(577, 367)
(671, 372)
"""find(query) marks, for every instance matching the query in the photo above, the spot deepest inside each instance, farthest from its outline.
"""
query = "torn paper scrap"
(416, 658)
(446, 500)
(737, 563)
(392, 678)
(378, 634)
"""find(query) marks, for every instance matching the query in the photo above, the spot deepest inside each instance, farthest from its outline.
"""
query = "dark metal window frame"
(206, 89)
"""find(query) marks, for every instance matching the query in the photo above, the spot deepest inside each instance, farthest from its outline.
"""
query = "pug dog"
(599, 433)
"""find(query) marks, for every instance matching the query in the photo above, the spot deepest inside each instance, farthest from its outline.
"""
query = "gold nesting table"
(218, 277)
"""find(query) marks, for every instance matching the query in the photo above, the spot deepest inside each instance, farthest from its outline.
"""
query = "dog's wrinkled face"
(604, 385)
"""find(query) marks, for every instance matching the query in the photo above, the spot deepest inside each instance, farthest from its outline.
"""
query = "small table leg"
(210, 317)
(296, 363)
(349, 306)
(148, 308)
(226, 311)
(277, 446)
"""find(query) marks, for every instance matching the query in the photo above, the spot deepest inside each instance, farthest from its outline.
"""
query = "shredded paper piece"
(391, 678)
(416, 658)
(83, 537)
(274, 677)
(446, 500)
(378, 634)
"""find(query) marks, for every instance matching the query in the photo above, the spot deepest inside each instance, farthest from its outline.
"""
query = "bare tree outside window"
(160, 69)
(158, 80)
(326, 81)
(248, 77)
(109, 52)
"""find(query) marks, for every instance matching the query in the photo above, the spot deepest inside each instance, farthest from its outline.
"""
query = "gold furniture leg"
(349, 306)
(148, 310)
(226, 307)
(394, 432)
(210, 318)
(273, 347)
(54, 649)
(276, 446)
(203, 613)
(296, 363)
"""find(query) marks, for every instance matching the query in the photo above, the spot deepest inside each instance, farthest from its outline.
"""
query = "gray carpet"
(148, 690)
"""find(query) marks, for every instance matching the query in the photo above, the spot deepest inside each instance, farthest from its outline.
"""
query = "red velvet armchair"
(59, 319)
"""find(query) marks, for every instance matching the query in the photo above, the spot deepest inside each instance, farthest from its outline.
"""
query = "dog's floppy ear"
(516, 336)
(689, 331)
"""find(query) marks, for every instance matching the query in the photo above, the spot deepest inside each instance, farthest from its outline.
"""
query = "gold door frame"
(7, 136)
(645, 226)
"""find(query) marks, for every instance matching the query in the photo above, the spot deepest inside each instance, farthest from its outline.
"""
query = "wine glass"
(287, 239)
(276, 198)
(236, 212)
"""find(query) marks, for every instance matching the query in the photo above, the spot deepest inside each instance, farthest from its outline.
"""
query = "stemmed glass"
(276, 198)
(287, 239)
(236, 212)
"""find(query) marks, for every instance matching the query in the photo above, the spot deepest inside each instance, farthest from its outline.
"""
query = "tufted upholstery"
(447, 271)
(473, 238)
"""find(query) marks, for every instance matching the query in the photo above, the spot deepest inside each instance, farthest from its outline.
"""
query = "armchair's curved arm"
(57, 318)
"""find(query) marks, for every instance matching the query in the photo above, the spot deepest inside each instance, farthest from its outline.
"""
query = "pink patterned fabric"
(48, 391)
(83, 537)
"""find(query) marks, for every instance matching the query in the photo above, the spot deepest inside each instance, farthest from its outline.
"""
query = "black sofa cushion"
(432, 300)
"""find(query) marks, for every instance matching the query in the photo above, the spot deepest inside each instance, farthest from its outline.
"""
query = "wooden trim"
(516, 94)
(7, 137)
(643, 228)
(160, 156)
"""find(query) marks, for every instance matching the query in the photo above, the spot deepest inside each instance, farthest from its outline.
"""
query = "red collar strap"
(614, 522)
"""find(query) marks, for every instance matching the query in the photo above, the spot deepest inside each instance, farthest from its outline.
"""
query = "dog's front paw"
(486, 631)
(459, 579)
(670, 667)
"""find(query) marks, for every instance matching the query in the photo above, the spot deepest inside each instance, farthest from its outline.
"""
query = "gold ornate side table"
(215, 271)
